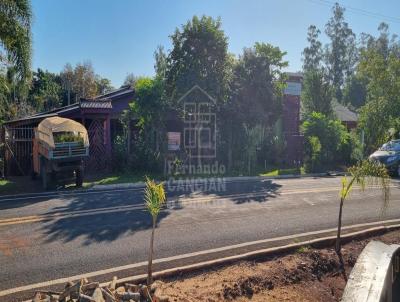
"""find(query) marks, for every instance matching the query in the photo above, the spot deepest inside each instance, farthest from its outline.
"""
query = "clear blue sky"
(120, 36)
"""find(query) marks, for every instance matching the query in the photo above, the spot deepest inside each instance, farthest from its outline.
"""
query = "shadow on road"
(99, 228)
(238, 192)
(109, 226)
(103, 225)
(13, 204)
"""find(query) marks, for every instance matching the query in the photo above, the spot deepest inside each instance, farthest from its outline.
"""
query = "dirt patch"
(307, 275)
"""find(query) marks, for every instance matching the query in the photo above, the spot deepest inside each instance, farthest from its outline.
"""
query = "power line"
(359, 11)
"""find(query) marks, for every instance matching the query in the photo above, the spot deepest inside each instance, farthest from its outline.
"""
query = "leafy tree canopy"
(82, 82)
(131, 79)
(316, 93)
(15, 36)
(199, 56)
(341, 52)
(355, 91)
(46, 90)
(383, 100)
(327, 142)
(103, 85)
(147, 106)
(312, 54)
(160, 64)
(257, 85)
(385, 44)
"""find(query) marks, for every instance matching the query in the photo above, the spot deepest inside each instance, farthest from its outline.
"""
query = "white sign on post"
(174, 141)
(293, 88)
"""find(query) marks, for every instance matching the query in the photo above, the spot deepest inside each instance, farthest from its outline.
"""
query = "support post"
(107, 135)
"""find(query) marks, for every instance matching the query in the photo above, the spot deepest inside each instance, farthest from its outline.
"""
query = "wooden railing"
(68, 149)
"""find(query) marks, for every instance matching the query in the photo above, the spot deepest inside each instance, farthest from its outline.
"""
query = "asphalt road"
(60, 235)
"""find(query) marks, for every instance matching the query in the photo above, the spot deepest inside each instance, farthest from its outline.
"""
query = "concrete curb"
(319, 242)
(202, 180)
(327, 241)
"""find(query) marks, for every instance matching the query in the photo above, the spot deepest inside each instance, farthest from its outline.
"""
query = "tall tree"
(316, 93)
(81, 82)
(341, 52)
(46, 90)
(383, 100)
(312, 54)
(15, 35)
(84, 81)
(131, 80)
(67, 80)
(373, 50)
(257, 84)
(355, 91)
(14, 94)
(103, 85)
(385, 44)
(199, 56)
(160, 65)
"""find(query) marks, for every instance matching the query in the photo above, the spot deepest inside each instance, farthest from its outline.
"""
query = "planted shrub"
(67, 137)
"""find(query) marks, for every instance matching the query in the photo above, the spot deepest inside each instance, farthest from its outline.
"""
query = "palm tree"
(154, 195)
(363, 174)
(15, 35)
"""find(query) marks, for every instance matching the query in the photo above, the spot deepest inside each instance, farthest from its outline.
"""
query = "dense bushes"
(145, 118)
(328, 144)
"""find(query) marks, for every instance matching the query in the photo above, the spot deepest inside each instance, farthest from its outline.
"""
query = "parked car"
(389, 155)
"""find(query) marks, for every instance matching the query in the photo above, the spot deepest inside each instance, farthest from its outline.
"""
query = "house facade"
(348, 117)
(99, 115)
(192, 138)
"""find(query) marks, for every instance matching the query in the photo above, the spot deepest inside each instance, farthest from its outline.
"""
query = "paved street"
(61, 235)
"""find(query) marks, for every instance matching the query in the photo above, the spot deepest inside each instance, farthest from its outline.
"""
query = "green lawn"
(6, 186)
(276, 172)
(117, 178)
(17, 185)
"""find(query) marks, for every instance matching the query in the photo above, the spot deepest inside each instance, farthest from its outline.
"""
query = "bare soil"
(309, 274)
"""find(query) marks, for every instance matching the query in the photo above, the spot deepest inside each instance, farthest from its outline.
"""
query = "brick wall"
(291, 121)
(291, 114)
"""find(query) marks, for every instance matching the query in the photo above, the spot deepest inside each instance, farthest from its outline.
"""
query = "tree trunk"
(248, 165)
(338, 247)
(230, 138)
(150, 264)
(129, 136)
